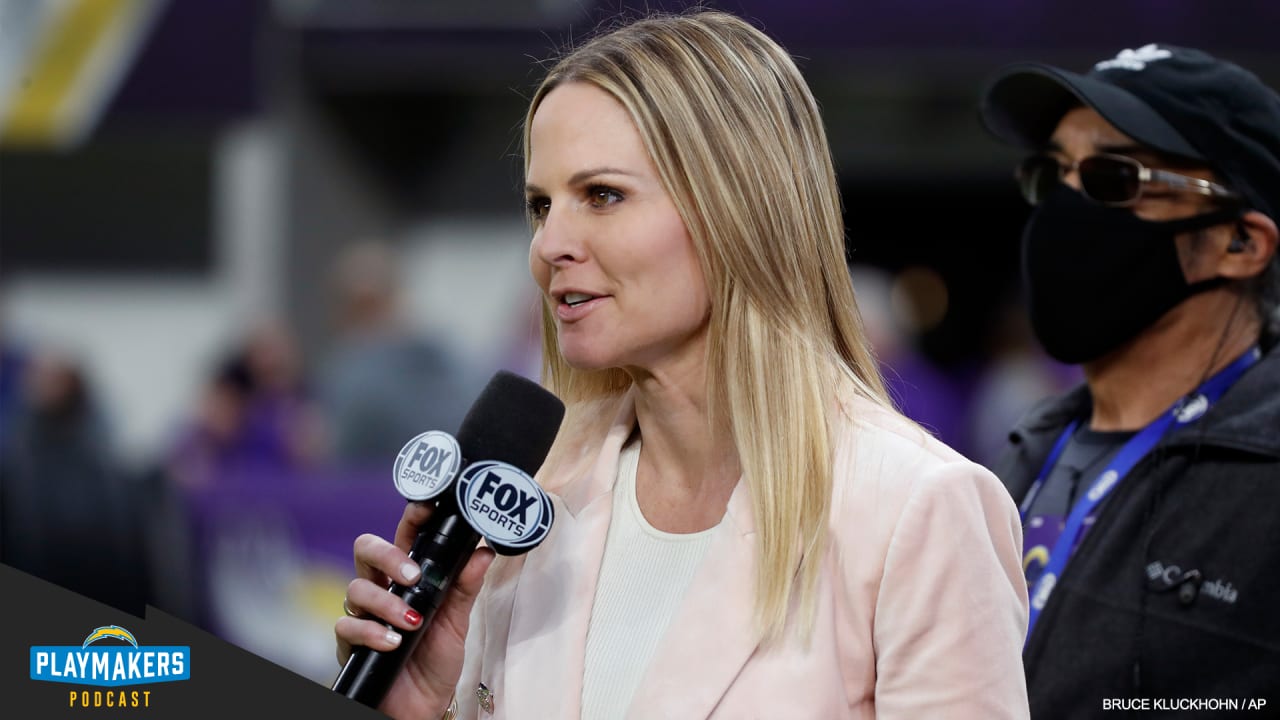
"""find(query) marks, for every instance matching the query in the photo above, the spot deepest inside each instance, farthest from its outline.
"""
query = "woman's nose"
(557, 240)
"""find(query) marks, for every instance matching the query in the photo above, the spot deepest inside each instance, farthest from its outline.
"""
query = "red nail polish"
(412, 617)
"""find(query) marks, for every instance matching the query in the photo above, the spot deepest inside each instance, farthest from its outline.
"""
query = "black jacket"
(1129, 618)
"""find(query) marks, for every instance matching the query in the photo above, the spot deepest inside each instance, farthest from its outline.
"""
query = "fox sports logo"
(426, 465)
(504, 505)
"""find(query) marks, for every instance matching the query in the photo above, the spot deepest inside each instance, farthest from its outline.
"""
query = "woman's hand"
(426, 684)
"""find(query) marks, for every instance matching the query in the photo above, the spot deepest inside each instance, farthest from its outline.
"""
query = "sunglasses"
(1115, 180)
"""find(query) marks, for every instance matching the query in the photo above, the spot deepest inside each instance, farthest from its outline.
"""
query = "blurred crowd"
(171, 532)
(73, 511)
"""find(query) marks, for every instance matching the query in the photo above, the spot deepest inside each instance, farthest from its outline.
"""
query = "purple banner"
(273, 556)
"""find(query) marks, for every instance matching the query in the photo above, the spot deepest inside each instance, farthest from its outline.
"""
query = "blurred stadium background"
(248, 247)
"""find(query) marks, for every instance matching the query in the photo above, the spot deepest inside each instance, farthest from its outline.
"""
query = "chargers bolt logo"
(110, 631)
(427, 465)
(504, 505)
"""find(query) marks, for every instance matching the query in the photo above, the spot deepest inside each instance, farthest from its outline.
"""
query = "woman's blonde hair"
(738, 142)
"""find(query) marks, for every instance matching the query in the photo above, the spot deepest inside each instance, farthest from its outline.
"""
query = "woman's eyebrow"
(583, 175)
(580, 177)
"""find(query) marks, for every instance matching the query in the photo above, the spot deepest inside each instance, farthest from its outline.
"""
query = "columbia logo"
(1165, 577)
(1134, 59)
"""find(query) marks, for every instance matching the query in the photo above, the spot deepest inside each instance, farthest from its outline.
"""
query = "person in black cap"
(1149, 496)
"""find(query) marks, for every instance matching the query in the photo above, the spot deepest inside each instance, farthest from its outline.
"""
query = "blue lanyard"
(1187, 410)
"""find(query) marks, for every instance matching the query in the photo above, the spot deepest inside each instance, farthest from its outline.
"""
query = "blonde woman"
(745, 528)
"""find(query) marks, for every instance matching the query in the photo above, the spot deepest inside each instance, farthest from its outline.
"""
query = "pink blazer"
(921, 611)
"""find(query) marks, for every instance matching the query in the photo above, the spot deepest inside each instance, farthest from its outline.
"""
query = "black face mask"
(1096, 276)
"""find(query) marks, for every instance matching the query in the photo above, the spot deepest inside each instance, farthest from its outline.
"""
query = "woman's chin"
(587, 363)
(588, 359)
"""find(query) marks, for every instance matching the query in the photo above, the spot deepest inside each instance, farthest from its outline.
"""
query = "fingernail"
(410, 571)
(393, 637)
(412, 617)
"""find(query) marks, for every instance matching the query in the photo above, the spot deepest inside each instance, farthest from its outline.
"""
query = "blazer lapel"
(551, 609)
(712, 634)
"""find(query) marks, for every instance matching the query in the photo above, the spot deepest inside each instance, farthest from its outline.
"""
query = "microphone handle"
(442, 549)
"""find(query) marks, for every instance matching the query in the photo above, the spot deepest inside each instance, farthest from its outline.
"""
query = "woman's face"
(609, 249)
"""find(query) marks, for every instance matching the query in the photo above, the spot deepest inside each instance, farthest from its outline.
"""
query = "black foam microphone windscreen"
(514, 420)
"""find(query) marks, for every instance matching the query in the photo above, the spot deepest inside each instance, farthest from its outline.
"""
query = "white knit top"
(643, 578)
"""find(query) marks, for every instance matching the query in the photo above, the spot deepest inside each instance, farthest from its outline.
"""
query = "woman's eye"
(603, 196)
(537, 207)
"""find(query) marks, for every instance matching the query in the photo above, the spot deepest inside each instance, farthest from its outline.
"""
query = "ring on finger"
(347, 609)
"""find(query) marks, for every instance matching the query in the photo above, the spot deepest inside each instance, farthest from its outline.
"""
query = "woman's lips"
(571, 313)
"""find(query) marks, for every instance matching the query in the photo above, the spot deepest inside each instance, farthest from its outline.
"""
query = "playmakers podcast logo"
(119, 662)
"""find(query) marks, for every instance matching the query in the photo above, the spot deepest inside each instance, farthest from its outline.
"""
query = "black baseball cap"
(1176, 100)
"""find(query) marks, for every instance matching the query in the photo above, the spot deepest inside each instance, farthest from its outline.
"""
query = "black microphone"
(503, 440)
